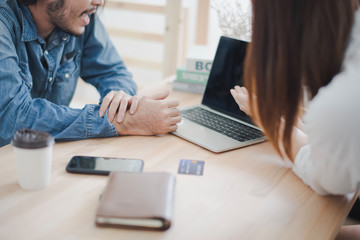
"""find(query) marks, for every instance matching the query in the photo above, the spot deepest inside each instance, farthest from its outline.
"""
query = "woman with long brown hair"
(307, 48)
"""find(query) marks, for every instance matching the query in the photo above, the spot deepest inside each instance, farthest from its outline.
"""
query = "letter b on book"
(203, 66)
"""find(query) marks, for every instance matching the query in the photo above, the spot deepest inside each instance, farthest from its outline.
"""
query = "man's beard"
(56, 12)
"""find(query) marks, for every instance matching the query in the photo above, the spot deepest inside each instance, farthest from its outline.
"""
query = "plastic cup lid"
(26, 138)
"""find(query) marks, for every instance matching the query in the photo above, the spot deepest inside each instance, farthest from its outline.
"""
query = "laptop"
(218, 124)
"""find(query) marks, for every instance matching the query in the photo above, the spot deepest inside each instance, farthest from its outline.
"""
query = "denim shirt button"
(64, 38)
(31, 84)
(66, 75)
(46, 52)
(50, 79)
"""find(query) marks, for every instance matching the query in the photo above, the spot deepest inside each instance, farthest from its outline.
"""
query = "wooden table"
(249, 193)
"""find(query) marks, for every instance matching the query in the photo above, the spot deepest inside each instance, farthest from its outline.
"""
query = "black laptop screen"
(226, 72)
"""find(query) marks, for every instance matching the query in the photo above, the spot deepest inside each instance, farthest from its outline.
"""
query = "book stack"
(194, 75)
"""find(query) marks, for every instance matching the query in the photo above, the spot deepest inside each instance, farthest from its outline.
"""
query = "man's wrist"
(128, 126)
(122, 128)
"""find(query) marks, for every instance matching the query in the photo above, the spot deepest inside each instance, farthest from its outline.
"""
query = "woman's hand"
(241, 96)
(118, 102)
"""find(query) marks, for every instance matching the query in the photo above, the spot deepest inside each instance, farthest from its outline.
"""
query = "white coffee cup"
(33, 156)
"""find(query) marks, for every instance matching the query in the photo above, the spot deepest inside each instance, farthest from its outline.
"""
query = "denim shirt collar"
(30, 32)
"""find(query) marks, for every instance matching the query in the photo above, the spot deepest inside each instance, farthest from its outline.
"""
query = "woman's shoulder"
(352, 53)
(335, 110)
(338, 103)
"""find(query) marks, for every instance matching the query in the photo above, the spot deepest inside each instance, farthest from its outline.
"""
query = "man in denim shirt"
(45, 46)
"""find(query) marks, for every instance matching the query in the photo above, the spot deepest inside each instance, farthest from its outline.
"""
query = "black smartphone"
(103, 165)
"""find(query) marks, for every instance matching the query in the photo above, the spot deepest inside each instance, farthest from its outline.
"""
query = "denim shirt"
(38, 78)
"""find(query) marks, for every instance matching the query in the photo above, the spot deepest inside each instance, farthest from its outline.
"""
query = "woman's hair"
(295, 44)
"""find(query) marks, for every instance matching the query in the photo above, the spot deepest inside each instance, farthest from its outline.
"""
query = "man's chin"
(76, 33)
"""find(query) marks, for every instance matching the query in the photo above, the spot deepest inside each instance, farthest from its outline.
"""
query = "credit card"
(191, 167)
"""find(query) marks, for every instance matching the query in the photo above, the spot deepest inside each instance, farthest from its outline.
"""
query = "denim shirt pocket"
(66, 78)
(25, 75)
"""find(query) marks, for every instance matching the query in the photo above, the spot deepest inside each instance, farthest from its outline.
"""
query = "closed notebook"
(137, 200)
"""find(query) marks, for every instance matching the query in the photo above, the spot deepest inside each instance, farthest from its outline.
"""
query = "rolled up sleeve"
(18, 109)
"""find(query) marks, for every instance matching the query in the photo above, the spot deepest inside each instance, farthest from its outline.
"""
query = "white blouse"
(330, 163)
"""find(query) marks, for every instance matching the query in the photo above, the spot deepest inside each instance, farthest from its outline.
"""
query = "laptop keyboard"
(222, 125)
